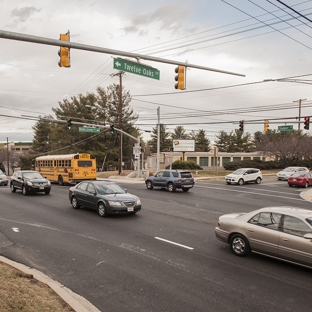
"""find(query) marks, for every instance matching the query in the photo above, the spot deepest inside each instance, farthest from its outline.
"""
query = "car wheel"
(13, 189)
(102, 210)
(258, 180)
(60, 180)
(47, 192)
(306, 184)
(240, 182)
(239, 245)
(185, 189)
(74, 202)
(24, 190)
(290, 185)
(170, 187)
(149, 185)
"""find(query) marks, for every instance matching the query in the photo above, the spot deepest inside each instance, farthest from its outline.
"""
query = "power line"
(293, 10)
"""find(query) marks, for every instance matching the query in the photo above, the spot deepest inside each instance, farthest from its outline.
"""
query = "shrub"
(266, 165)
(181, 164)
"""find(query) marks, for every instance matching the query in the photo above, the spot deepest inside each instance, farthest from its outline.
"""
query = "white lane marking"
(15, 229)
(170, 242)
(241, 191)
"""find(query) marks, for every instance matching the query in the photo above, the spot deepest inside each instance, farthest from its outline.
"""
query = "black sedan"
(29, 181)
(105, 197)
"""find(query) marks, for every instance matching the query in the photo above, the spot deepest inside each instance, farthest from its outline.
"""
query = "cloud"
(169, 17)
(23, 14)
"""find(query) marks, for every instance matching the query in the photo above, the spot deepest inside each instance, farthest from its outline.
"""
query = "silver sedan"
(284, 233)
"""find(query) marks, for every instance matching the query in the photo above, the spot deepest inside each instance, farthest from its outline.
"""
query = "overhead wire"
(268, 25)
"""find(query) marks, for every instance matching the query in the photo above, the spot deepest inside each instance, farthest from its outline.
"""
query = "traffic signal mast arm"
(54, 42)
(89, 125)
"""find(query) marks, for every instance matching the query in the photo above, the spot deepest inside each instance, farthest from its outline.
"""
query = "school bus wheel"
(60, 180)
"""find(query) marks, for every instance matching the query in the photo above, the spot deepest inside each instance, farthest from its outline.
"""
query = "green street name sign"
(86, 129)
(136, 68)
(285, 128)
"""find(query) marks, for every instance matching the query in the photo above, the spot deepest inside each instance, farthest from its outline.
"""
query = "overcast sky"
(261, 39)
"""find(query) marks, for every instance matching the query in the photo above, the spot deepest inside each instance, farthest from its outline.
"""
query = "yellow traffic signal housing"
(266, 125)
(64, 52)
(180, 78)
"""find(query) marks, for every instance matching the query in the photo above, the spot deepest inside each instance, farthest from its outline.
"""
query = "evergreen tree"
(179, 133)
(100, 108)
(202, 143)
(235, 141)
(42, 136)
(164, 141)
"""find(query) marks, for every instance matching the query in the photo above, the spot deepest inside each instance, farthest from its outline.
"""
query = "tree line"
(103, 108)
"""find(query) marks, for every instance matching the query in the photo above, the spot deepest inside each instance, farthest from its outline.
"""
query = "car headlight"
(138, 202)
(114, 203)
(29, 183)
(49, 183)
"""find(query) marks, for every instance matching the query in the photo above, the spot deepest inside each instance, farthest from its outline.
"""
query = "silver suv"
(244, 175)
(287, 172)
(172, 180)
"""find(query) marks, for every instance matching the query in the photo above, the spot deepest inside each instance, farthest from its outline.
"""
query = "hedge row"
(265, 165)
(180, 164)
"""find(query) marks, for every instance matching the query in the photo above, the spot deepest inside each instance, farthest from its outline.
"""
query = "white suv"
(244, 175)
(287, 172)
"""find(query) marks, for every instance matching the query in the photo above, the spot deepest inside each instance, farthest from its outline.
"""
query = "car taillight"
(179, 180)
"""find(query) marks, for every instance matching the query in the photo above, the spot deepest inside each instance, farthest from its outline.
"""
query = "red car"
(301, 179)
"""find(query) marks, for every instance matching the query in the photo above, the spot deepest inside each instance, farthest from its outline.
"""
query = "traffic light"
(112, 129)
(64, 52)
(180, 78)
(306, 123)
(241, 125)
(266, 125)
(69, 124)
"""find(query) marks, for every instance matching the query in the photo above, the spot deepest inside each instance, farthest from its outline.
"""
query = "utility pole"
(120, 74)
(299, 111)
(8, 166)
(158, 139)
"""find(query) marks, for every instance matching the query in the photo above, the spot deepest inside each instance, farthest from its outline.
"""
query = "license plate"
(41, 187)
(129, 209)
(294, 179)
(186, 186)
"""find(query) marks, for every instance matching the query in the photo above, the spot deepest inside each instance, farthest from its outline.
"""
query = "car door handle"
(250, 230)
(285, 239)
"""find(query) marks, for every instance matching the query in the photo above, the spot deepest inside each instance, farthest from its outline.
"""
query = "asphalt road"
(164, 258)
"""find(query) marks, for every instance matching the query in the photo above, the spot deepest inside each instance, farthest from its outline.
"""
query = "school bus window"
(84, 163)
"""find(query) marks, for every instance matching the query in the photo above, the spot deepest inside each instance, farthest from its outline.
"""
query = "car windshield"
(289, 169)
(32, 175)
(239, 171)
(104, 189)
(298, 175)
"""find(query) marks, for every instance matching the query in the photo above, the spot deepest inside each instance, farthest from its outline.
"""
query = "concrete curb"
(78, 303)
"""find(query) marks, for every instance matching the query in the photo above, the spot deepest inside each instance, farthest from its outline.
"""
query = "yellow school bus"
(68, 168)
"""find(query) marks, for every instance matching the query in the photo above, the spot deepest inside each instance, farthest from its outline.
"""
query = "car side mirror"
(308, 236)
